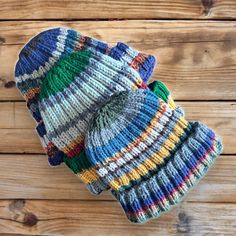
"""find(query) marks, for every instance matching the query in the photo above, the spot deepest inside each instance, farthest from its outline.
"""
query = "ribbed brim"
(169, 185)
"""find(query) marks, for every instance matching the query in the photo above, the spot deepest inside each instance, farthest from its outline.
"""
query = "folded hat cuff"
(139, 61)
(170, 183)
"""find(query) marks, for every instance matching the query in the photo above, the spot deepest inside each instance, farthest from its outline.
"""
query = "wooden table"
(195, 43)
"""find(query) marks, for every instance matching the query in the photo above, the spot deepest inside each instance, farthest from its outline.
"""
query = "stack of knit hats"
(95, 113)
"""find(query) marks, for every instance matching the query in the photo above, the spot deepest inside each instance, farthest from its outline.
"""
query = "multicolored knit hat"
(40, 55)
(71, 92)
(44, 50)
(147, 152)
(74, 89)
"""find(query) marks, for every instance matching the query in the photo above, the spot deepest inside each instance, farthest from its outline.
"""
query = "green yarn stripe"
(160, 90)
(64, 72)
(78, 163)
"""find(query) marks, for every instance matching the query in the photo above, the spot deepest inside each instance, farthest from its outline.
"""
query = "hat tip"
(36, 52)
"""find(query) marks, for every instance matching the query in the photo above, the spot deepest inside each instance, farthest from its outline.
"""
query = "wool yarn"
(148, 153)
(96, 114)
(74, 89)
(80, 164)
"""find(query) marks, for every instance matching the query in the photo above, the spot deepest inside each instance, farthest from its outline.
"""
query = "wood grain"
(17, 132)
(121, 9)
(197, 60)
(85, 217)
(194, 42)
(32, 174)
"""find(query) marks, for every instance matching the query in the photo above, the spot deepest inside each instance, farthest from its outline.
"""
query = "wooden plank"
(17, 132)
(33, 174)
(139, 32)
(7, 115)
(83, 218)
(100, 9)
(193, 56)
(15, 115)
(40, 181)
(22, 116)
(19, 141)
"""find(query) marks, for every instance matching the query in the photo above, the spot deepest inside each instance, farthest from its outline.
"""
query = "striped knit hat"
(40, 55)
(44, 50)
(147, 152)
(87, 172)
(74, 89)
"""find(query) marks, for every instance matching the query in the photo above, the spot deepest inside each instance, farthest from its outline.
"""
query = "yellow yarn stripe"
(88, 176)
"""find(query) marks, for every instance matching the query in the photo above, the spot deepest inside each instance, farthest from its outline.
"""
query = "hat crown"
(119, 122)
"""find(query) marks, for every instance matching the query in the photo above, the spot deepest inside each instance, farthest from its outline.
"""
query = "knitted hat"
(74, 89)
(148, 153)
(45, 49)
(87, 172)
(41, 50)
(39, 56)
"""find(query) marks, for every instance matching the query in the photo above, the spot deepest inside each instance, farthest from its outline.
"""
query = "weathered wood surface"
(197, 60)
(17, 132)
(33, 175)
(72, 217)
(122, 9)
(194, 42)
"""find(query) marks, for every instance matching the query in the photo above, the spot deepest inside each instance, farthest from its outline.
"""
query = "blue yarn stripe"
(37, 55)
(149, 66)
(70, 44)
